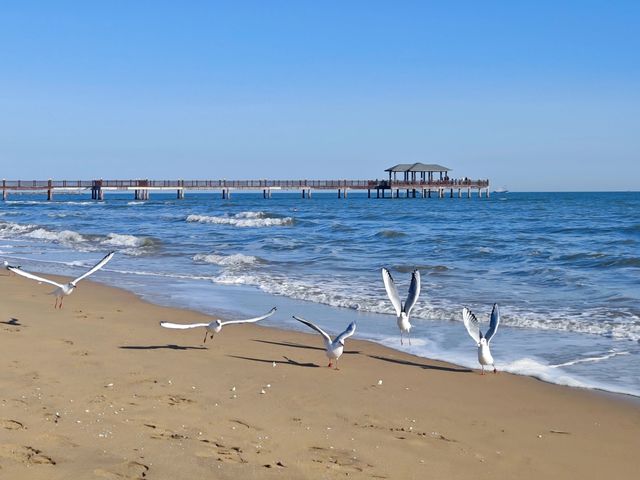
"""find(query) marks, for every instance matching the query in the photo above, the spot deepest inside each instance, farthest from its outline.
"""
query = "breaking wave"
(234, 260)
(242, 219)
(127, 244)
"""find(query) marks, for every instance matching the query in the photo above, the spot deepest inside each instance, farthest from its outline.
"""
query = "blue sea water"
(564, 267)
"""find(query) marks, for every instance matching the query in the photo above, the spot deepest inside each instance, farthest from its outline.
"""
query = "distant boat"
(501, 190)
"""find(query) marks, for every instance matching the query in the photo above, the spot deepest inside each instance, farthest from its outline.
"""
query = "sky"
(534, 95)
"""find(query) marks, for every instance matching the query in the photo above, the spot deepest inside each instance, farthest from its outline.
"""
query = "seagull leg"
(56, 305)
(61, 300)
(401, 338)
(337, 364)
(495, 370)
(482, 370)
(205, 336)
(409, 335)
(330, 364)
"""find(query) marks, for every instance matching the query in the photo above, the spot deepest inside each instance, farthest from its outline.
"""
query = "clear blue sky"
(534, 95)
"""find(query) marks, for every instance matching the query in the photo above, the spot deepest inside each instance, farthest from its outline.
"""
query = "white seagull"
(335, 348)
(402, 311)
(214, 327)
(8, 266)
(473, 327)
(63, 289)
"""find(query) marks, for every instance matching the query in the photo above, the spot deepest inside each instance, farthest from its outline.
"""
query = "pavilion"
(426, 171)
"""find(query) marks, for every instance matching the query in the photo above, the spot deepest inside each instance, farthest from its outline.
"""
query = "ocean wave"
(9, 229)
(127, 244)
(423, 268)
(234, 260)
(64, 236)
(390, 234)
(343, 293)
(242, 219)
(120, 240)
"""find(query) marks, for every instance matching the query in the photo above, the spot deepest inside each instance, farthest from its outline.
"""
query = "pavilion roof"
(417, 167)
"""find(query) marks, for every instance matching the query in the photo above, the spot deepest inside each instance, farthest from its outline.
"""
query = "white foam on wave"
(9, 229)
(534, 368)
(120, 240)
(127, 244)
(599, 358)
(143, 273)
(64, 236)
(343, 293)
(526, 366)
(236, 259)
(242, 219)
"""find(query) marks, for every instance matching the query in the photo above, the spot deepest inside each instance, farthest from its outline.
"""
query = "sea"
(563, 267)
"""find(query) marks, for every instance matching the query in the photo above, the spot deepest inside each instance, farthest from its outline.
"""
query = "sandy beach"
(99, 390)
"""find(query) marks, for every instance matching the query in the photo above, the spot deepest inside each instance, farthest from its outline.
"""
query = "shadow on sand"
(286, 361)
(160, 347)
(422, 365)
(307, 347)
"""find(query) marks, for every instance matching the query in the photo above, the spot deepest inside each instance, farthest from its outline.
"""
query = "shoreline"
(153, 298)
(103, 392)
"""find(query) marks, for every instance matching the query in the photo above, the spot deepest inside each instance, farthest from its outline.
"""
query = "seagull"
(402, 311)
(215, 326)
(7, 266)
(334, 348)
(473, 327)
(63, 289)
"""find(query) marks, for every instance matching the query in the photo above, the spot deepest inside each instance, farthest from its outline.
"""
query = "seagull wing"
(351, 329)
(315, 327)
(250, 320)
(19, 271)
(471, 322)
(414, 292)
(392, 291)
(493, 324)
(96, 267)
(182, 326)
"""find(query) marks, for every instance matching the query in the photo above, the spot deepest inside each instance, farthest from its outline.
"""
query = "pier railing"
(141, 187)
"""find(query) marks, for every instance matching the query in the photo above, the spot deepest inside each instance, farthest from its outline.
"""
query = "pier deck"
(141, 188)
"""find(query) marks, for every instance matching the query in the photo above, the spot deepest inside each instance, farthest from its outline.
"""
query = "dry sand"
(99, 390)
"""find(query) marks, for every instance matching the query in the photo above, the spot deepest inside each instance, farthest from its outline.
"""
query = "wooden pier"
(141, 189)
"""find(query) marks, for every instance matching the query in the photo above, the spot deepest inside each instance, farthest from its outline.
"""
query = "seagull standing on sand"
(8, 267)
(216, 326)
(402, 311)
(63, 289)
(335, 348)
(473, 327)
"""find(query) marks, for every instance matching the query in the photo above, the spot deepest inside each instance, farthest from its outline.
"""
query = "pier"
(418, 181)
(141, 189)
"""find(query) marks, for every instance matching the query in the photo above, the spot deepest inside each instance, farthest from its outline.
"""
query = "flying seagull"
(335, 348)
(402, 311)
(473, 327)
(214, 327)
(63, 289)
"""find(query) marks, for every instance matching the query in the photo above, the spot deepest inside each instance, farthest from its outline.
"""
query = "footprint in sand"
(222, 453)
(178, 400)
(24, 454)
(338, 460)
(164, 434)
(127, 470)
(11, 424)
